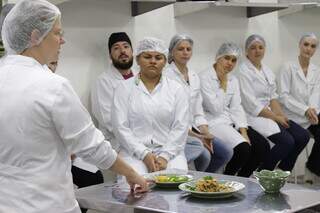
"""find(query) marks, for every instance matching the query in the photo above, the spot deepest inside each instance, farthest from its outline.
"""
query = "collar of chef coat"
(180, 76)
(267, 78)
(138, 82)
(116, 74)
(312, 69)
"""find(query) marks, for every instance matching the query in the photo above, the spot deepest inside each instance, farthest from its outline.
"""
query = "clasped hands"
(312, 116)
(155, 163)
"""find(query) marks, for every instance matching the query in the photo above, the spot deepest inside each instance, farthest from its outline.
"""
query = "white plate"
(236, 186)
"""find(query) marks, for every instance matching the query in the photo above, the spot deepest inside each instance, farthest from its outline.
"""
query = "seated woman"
(299, 90)
(151, 114)
(226, 117)
(264, 113)
(213, 153)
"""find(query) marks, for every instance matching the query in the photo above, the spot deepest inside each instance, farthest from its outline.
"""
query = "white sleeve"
(249, 100)
(314, 99)
(284, 85)
(237, 113)
(121, 129)
(101, 101)
(179, 128)
(198, 114)
(77, 131)
(213, 96)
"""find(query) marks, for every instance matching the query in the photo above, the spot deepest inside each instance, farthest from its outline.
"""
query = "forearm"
(122, 168)
(266, 113)
(276, 108)
(203, 129)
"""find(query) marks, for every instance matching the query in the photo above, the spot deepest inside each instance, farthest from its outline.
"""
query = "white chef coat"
(299, 92)
(258, 88)
(102, 99)
(222, 109)
(158, 121)
(42, 123)
(193, 91)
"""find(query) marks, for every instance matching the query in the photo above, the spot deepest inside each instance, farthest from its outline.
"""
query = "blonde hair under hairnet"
(28, 16)
(254, 38)
(228, 49)
(309, 35)
(175, 41)
(150, 44)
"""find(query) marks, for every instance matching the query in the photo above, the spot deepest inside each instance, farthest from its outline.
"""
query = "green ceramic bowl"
(271, 181)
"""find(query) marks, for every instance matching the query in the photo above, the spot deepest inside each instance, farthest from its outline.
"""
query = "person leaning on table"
(150, 114)
(212, 155)
(299, 90)
(42, 119)
(264, 113)
(225, 115)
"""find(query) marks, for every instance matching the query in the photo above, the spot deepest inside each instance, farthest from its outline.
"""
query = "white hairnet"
(254, 38)
(4, 12)
(309, 35)
(228, 49)
(174, 42)
(150, 44)
(28, 16)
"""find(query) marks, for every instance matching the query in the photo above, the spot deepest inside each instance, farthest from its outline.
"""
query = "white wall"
(87, 25)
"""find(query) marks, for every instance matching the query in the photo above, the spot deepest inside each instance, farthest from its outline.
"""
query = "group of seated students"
(165, 115)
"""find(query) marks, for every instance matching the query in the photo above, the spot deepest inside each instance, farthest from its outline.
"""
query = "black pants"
(313, 163)
(248, 157)
(288, 145)
(83, 178)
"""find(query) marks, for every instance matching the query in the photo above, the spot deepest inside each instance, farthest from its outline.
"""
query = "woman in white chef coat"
(264, 113)
(299, 91)
(213, 154)
(151, 114)
(226, 117)
(42, 119)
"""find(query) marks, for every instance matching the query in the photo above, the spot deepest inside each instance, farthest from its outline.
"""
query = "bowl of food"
(209, 187)
(272, 181)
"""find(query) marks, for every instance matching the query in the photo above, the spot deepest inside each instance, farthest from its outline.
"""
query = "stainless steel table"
(114, 198)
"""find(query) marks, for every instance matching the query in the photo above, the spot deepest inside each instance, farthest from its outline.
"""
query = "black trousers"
(83, 178)
(313, 163)
(248, 157)
(288, 145)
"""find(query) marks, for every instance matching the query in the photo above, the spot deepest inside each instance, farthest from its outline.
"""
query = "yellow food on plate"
(162, 178)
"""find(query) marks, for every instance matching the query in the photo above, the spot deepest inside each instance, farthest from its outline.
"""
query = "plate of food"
(209, 187)
(169, 180)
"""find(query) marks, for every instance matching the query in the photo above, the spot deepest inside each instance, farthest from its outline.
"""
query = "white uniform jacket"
(193, 90)
(299, 92)
(102, 99)
(144, 122)
(42, 123)
(221, 107)
(258, 88)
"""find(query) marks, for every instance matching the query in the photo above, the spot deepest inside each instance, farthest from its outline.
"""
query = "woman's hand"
(282, 120)
(137, 183)
(151, 163)
(243, 132)
(312, 116)
(161, 163)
